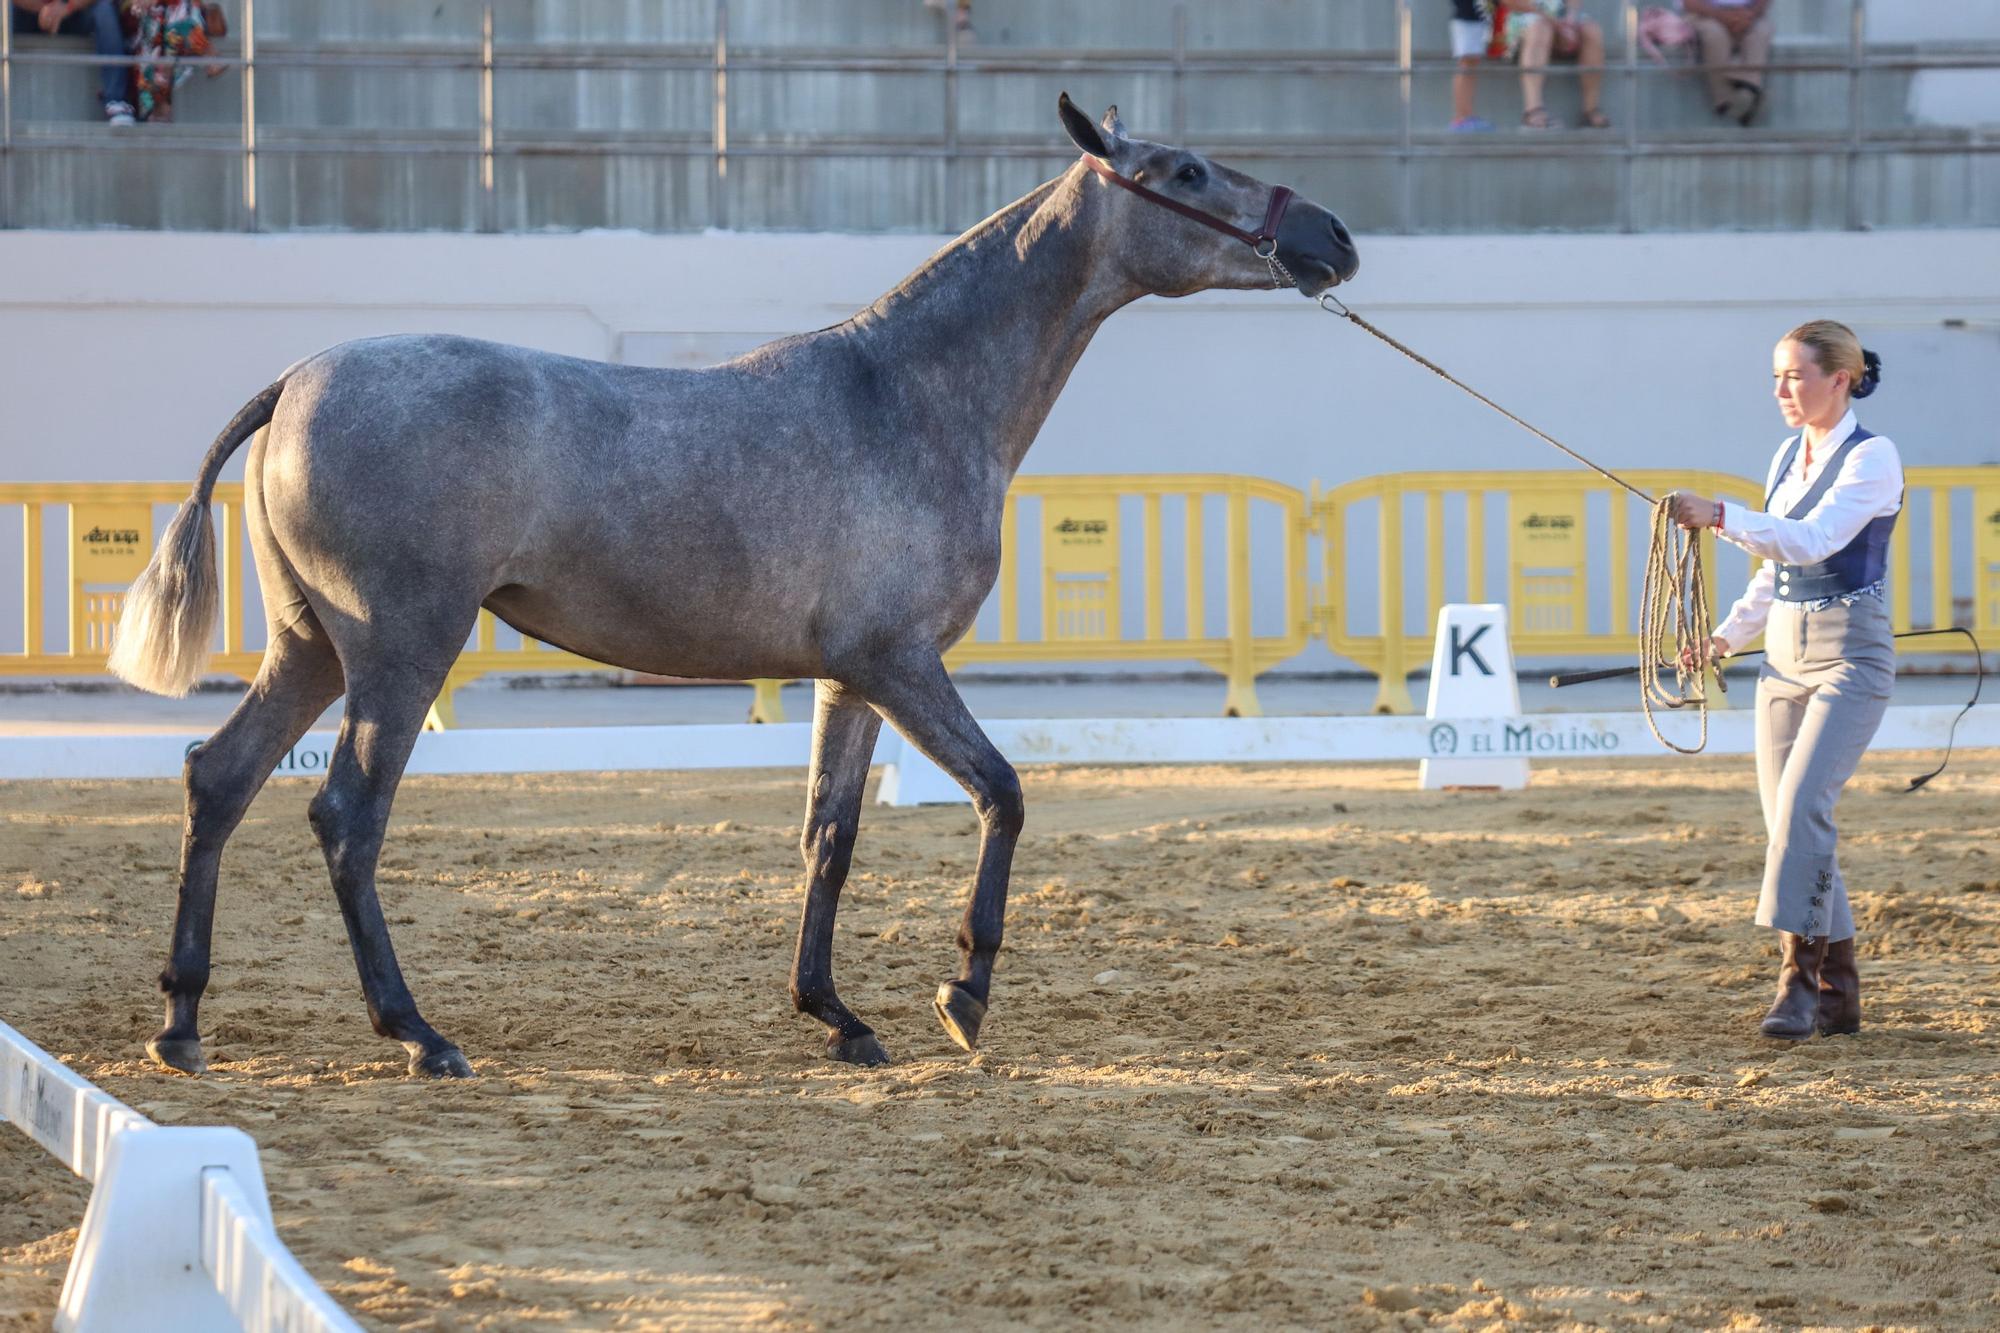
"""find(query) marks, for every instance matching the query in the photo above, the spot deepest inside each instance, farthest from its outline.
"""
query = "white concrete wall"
(122, 354)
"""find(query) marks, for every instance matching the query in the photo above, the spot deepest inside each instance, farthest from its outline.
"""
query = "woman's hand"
(1694, 512)
(52, 15)
(1713, 651)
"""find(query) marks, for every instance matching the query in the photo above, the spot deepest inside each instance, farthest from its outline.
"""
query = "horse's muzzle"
(1316, 248)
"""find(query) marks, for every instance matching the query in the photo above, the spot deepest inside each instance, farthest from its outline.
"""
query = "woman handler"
(1831, 501)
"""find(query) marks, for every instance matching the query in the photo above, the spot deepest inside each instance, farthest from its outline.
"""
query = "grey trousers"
(1827, 677)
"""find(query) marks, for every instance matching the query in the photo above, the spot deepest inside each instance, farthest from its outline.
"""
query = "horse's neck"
(989, 330)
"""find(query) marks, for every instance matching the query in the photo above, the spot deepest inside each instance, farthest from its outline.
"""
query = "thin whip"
(1673, 603)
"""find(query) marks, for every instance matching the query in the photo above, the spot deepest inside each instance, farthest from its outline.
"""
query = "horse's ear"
(1084, 134)
(1111, 124)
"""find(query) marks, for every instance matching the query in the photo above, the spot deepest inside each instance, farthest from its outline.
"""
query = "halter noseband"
(1264, 240)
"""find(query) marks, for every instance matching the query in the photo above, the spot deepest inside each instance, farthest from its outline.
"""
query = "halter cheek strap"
(1264, 240)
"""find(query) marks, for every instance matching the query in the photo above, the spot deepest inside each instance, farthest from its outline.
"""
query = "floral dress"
(157, 28)
(1514, 21)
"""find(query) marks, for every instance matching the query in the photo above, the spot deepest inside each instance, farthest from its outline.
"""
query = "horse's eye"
(1189, 175)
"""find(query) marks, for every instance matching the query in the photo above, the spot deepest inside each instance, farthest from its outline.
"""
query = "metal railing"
(947, 142)
(1554, 541)
(1120, 569)
(1572, 546)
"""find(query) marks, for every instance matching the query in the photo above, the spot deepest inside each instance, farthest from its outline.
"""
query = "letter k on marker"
(1466, 649)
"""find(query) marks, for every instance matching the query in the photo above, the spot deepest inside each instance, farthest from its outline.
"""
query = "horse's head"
(1249, 235)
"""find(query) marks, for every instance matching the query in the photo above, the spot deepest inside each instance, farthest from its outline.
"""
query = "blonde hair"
(1834, 348)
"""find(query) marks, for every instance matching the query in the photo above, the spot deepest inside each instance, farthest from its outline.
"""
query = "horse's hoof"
(447, 1063)
(865, 1049)
(182, 1053)
(960, 1013)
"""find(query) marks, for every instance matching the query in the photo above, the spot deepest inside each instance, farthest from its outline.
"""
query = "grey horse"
(826, 506)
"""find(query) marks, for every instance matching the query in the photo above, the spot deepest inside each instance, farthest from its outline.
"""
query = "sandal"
(1537, 118)
(1596, 120)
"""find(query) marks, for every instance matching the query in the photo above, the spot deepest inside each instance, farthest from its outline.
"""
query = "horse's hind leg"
(299, 678)
(386, 703)
(921, 702)
(844, 731)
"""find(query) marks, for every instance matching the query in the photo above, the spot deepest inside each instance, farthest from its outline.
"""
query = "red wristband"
(1718, 515)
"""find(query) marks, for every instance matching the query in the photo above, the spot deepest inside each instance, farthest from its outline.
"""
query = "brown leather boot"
(1839, 991)
(1794, 1014)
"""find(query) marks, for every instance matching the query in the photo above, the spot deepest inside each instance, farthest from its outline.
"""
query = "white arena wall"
(123, 353)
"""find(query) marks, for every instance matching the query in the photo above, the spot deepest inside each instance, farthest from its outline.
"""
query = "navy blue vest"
(1860, 563)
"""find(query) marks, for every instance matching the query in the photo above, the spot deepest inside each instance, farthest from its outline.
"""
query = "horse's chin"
(1313, 283)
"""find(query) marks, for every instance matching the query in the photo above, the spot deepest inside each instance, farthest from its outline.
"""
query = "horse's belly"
(692, 636)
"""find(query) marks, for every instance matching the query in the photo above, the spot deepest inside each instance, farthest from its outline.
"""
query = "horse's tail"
(163, 634)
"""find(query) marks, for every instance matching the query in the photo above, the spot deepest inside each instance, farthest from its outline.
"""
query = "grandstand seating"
(863, 139)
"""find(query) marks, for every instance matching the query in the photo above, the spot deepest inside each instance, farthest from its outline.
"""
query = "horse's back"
(608, 508)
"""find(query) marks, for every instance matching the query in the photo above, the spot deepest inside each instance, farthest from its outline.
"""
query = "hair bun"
(1871, 374)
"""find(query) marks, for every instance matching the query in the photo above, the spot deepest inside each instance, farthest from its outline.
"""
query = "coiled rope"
(1674, 615)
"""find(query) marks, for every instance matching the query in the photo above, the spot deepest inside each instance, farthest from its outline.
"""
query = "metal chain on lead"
(1673, 605)
(1281, 277)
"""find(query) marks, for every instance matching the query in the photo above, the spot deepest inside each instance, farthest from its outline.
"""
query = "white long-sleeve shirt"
(1870, 485)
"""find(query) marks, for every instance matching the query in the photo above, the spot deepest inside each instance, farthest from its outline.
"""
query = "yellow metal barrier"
(111, 533)
(1978, 606)
(1083, 566)
(1085, 573)
(1552, 549)
(1089, 559)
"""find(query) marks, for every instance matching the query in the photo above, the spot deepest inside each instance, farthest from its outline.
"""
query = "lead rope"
(1673, 608)
(1673, 601)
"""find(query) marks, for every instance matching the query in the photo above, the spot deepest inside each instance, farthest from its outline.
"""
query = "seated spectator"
(96, 19)
(1468, 43)
(161, 28)
(1537, 31)
(1735, 37)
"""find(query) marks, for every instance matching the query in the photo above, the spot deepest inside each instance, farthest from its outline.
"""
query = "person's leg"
(1715, 62)
(1535, 49)
(1754, 54)
(100, 23)
(1803, 890)
(1780, 707)
(1591, 56)
(1468, 46)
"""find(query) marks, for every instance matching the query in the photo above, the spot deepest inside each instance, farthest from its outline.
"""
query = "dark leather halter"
(1264, 240)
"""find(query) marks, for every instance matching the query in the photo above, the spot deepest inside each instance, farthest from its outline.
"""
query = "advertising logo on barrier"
(109, 543)
(1080, 536)
(43, 1108)
(1550, 529)
(1528, 737)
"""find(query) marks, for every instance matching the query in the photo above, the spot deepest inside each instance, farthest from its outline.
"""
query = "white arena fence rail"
(177, 1237)
(1122, 740)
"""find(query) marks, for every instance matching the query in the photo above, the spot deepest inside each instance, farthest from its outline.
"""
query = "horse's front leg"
(921, 702)
(844, 730)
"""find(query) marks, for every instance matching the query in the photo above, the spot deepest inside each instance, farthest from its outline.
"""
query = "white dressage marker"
(1472, 676)
(177, 1237)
